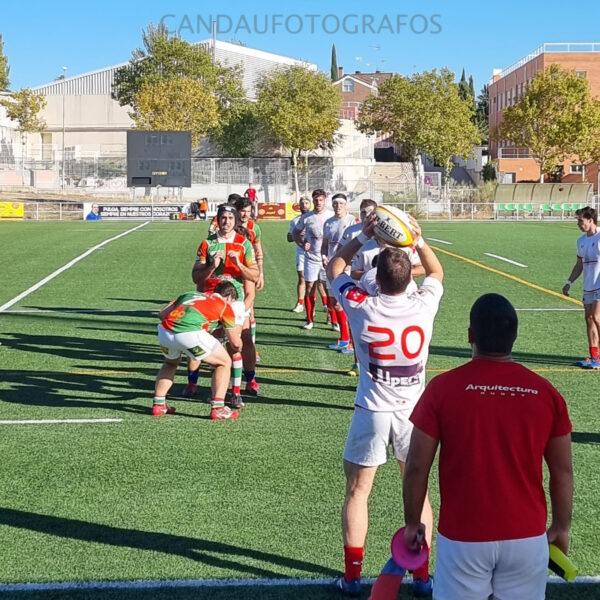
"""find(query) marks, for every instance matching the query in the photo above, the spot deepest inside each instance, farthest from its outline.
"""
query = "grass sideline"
(182, 497)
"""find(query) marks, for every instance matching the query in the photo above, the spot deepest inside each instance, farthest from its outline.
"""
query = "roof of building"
(550, 47)
(254, 62)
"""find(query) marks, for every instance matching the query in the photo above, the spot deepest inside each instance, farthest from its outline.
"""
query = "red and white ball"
(393, 226)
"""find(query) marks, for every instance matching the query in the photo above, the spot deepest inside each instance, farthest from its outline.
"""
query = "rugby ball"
(393, 226)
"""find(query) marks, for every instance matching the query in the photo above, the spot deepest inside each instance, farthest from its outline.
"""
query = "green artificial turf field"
(183, 497)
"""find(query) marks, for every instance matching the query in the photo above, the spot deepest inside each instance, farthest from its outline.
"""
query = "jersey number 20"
(389, 340)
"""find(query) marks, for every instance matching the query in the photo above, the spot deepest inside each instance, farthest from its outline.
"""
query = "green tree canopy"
(482, 111)
(299, 108)
(425, 114)
(181, 104)
(24, 107)
(334, 65)
(553, 118)
(165, 58)
(4, 68)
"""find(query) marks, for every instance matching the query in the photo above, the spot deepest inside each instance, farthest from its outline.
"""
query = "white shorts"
(240, 311)
(475, 570)
(196, 345)
(591, 297)
(313, 269)
(371, 433)
(300, 259)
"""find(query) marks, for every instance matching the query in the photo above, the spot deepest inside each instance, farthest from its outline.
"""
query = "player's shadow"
(65, 310)
(518, 356)
(581, 437)
(215, 554)
(86, 349)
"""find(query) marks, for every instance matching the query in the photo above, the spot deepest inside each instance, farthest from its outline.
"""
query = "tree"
(4, 68)
(586, 145)
(334, 65)
(165, 58)
(239, 138)
(299, 108)
(482, 111)
(547, 118)
(423, 113)
(24, 107)
(182, 104)
(488, 172)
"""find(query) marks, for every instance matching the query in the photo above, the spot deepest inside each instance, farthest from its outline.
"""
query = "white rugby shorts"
(508, 569)
(371, 433)
(196, 345)
(591, 297)
(300, 259)
(312, 269)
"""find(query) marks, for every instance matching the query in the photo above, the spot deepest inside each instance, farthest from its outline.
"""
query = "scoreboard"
(159, 158)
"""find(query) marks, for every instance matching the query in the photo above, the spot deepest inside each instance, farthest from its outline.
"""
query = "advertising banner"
(11, 210)
(156, 212)
(271, 211)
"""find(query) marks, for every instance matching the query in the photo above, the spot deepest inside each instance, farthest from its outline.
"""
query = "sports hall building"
(508, 85)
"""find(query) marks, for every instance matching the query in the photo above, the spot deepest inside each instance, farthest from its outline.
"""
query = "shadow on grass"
(216, 554)
(580, 437)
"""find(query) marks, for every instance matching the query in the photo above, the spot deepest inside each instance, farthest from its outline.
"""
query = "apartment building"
(508, 85)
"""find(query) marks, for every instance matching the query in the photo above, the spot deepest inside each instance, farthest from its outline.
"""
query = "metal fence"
(450, 210)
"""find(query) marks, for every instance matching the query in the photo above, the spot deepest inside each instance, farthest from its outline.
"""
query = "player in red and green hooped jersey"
(244, 212)
(228, 255)
(185, 328)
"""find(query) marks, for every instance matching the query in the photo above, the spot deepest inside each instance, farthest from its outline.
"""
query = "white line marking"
(59, 421)
(206, 583)
(549, 309)
(512, 262)
(83, 311)
(39, 284)
(439, 241)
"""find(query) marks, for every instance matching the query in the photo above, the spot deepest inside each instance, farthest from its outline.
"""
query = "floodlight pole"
(62, 179)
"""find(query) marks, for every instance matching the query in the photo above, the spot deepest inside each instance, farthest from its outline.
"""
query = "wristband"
(569, 283)
(420, 243)
(362, 238)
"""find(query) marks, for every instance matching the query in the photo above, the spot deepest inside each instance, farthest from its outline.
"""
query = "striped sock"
(236, 374)
(160, 400)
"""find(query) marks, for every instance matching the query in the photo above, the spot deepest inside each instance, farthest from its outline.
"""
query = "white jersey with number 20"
(391, 338)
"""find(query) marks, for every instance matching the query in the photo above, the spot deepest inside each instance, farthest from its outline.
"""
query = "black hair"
(226, 288)
(493, 323)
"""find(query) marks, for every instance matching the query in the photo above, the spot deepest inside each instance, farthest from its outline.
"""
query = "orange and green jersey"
(226, 270)
(193, 311)
(254, 230)
(214, 225)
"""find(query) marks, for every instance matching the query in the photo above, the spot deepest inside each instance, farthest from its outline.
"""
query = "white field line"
(59, 421)
(205, 583)
(548, 309)
(512, 262)
(439, 241)
(84, 311)
(39, 284)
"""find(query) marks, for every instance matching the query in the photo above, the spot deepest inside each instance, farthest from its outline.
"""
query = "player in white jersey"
(333, 230)
(391, 332)
(588, 263)
(304, 205)
(312, 224)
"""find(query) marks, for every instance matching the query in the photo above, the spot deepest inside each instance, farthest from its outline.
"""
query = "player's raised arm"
(431, 264)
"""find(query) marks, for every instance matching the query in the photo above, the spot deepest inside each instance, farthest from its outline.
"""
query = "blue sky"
(40, 37)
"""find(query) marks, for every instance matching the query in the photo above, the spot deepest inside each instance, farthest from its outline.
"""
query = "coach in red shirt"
(496, 422)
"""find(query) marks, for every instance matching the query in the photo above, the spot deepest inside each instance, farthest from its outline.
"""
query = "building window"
(348, 85)
(582, 74)
(576, 169)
